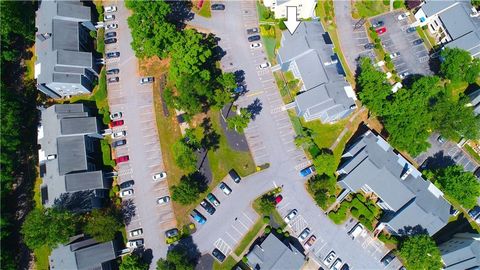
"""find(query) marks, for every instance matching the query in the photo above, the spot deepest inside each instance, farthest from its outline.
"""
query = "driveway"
(413, 58)
(270, 137)
(143, 147)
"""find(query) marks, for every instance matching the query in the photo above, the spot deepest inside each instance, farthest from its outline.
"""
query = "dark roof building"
(68, 137)
(308, 54)
(65, 64)
(461, 252)
(273, 254)
(475, 101)
(409, 202)
(84, 253)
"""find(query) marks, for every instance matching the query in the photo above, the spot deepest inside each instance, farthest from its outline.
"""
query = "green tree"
(374, 90)
(305, 138)
(187, 191)
(222, 98)
(420, 252)
(177, 258)
(239, 122)
(48, 227)
(323, 187)
(458, 65)
(132, 262)
(184, 156)
(227, 81)
(266, 204)
(102, 225)
(193, 138)
(461, 185)
(325, 162)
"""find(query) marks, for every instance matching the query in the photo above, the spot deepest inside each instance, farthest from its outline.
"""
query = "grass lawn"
(41, 257)
(270, 43)
(30, 64)
(454, 89)
(248, 238)
(325, 134)
(263, 11)
(368, 8)
(205, 11)
(228, 264)
(429, 40)
(107, 153)
(472, 152)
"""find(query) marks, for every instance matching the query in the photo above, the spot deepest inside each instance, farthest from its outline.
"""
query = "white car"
(145, 80)
(119, 134)
(226, 189)
(255, 45)
(290, 215)
(264, 65)
(337, 264)
(304, 235)
(394, 55)
(126, 193)
(135, 243)
(111, 26)
(109, 17)
(115, 116)
(136, 232)
(403, 16)
(163, 200)
(404, 75)
(329, 259)
(110, 8)
(159, 176)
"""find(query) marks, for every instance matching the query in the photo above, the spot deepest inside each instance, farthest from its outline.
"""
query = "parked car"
(418, 41)
(474, 212)
(310, 242)
(404, 75)
(119, 134)
(213, 199)
(163, 200)
(217, 254)
(110, 174)
(356, 231)
(135, 243)
(111, 26)
(226, 189)
(252, 31)
(110, 9)
(239, 89)
(145, 80)
(411, 30)
(234, 175)
(122, 159)
(109, 17)
(264, 65)
(116, 116)
(255, 45)
(136, 232)
(345, 267)
(112, 55)
(207, 206)
(369, 46)
(113, 80)
(329, 259)
(277, 199)
(159, 176)
(381, 30)
(110, 40)
(441, 139)
(378, 24)
(127, 184)
(387, 258)
(126, 193)
(116, 123)
(290, 215)
(254, 38)
(394, 55)
(113, 71)
(337, 264)
(303, 235)
(403, 16)
(198, 217)
(118, 143)
(307, 171)
(218, 7)
(171, 233)
(110, 34)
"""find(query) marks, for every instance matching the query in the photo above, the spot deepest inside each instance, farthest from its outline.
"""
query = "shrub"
(340, 215)
(267, 26)
(424, 27)
(286, 234)
(245, 259)
(116, 188)
(281, 25)
(266, 219)
(279, 230)
(397, 4)
(267, 230)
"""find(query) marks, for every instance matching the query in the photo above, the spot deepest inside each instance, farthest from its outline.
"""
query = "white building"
(305, 8)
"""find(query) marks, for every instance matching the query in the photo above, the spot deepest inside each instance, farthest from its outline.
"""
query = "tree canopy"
(420, 252)
(177, 258)
(187, 191)
(132, 262)
(239, 122)
(184, 156)
(458, 65)
(102, 225)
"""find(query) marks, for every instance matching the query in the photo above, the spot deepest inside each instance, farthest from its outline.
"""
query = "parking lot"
(413, 59)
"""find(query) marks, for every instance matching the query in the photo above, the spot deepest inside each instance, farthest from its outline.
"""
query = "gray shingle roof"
(432, 7)
(457, 21)
(461, 252)
(78, 125)
(414, 201)
(85, 181)
(72, 155)
(274, 254)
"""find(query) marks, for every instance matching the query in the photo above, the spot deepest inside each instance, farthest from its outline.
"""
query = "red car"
(116, 123)
(278, 199)
(381, 30)
(122, 159)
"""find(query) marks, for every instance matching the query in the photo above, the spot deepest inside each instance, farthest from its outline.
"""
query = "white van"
(356, 230)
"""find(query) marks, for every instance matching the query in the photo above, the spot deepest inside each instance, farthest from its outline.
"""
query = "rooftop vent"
(407, 173)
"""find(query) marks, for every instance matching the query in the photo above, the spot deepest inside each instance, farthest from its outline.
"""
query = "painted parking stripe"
(251, 221)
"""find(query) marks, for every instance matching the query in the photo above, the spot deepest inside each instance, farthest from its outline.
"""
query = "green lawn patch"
(270, 43)
(472, 152)
(41, 257)
(107, 153)
(100, 40)
(454, 89)
(427, 38)
(367, 8)
(228, 264)
(205, 11)
(264, 13)
(325, 134)
(248, 238)
(364, 210)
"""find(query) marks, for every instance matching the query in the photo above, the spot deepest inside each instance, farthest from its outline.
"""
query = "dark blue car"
(307, 171)
(198, 217)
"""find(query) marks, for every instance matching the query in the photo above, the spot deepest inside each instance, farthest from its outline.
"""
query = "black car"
(252, 31)
(378, 24)
(207, 206)
(254, 38)
(387, 258)
(110, 40)
(218, 255)
(171, 233)
(112, 55)
(418, 41)
(411, 29)
(110, 34)
(127, 184)
(474, 212)
(218, 7)
(113, 80)
(234, 175)
(113, 71)
(119, 143)
(369, 46)
(345, 267)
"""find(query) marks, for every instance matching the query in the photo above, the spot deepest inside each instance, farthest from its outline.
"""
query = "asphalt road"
(270, 138)
(143, 147)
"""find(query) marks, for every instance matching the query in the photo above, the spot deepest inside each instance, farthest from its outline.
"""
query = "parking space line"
(251, 221)
(235, 228)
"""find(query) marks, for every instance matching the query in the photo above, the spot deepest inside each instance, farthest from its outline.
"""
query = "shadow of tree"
(181, 12)
(128, 210)
(211, 139)
(437, 161)
(255, 108)
(412, 230)
(187, 244)
(76, 202)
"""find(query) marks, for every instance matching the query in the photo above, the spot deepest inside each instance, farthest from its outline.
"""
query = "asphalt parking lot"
(413, 59)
